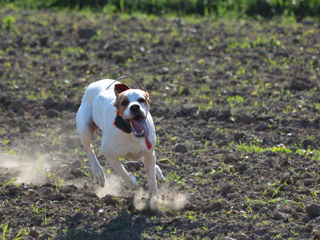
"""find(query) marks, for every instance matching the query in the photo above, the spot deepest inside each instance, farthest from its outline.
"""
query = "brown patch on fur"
(146, 97)
(119, 90)
(93, 126)
(121, 97)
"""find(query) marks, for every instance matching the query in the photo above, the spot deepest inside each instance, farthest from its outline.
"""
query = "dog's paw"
(134, 184)
(98, 175)
(159, 174)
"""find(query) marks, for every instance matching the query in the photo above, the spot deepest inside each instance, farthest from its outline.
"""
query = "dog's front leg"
(128, 178)
(149, 161)
(97, 170)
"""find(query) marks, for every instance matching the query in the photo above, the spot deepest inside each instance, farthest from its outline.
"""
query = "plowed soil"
(236, 108)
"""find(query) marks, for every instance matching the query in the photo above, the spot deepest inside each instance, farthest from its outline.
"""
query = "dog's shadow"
(125, 226)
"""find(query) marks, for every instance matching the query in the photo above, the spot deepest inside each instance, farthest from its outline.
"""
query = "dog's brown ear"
(146, 96)
(119, 88)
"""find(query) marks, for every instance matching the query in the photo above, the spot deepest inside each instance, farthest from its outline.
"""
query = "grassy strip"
(265, 8)
(313, 153)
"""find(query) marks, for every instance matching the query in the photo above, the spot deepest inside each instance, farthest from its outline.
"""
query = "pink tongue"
(142, 124)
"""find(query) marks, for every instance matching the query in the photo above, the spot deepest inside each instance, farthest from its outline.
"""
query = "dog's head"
(133, 107)
(131, 103)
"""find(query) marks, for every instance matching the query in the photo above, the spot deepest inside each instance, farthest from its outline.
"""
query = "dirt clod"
(313, 210)
(189, 109)
(181, 148)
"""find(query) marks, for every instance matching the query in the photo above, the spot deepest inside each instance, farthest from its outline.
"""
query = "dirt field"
(236, 108)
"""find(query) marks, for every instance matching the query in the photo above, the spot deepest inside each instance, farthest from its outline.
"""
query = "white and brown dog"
(127, 128)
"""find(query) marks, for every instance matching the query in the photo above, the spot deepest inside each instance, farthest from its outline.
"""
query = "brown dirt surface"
(236, 108)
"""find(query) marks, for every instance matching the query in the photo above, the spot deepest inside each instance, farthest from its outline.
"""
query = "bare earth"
(236, 108)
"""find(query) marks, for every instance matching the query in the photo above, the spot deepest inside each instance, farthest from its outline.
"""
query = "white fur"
(98, 106)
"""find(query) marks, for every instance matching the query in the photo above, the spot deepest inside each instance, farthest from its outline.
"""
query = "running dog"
(122, 114)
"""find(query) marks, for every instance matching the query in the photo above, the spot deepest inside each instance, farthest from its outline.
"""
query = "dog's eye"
(141, 100)
(124, 103)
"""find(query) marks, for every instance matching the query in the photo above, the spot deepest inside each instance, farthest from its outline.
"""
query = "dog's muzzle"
(137, 125)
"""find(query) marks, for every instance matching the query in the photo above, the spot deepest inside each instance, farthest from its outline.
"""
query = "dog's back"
(105, 86)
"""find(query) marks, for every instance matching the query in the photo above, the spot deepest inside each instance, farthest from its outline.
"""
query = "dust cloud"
(167, 200)
(26, 169)
(112, 186)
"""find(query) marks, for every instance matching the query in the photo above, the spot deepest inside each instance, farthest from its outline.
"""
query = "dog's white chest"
(122, 145)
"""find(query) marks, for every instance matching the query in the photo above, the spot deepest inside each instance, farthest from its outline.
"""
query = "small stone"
(68, 189)
(51, 113)
(308, 182)
(245, 118)
(189, 109)
(261, 127)
(24, 128)
(109, 200)
(164, 70)
(49, 103)
(44, 41)
(86, 33)
(211, 113)
(307, 143)
(76, 172)
(2, 59)
(118, 57)
(224, 115)
(34, 233)
(242, 168)
(227, 188)
(76, 164)
(313, 210)
(180, 148)
(239, 137)
(280, 216)
(56, 197)
(36, 220)
(211, 235)
(17, 107)
(301, 84)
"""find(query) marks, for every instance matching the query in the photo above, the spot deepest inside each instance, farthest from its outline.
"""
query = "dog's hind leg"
(86, 128)
(159, 174)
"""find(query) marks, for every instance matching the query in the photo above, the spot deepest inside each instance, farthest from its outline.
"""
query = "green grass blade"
(4, 231)
(9, 182)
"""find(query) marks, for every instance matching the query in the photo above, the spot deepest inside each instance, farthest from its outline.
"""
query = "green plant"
(234, 100)
(18, 235)
(8, 183)
(232, 8)
(8, 22)
(176, 178)
(58, 181)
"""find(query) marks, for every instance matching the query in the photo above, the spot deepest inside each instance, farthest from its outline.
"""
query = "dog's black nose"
(135, 108)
